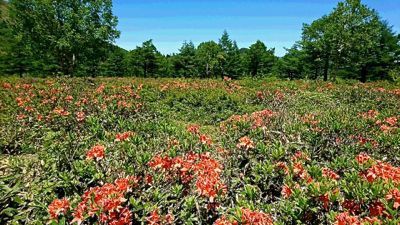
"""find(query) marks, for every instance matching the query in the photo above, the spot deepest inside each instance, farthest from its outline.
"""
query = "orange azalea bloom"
(255, 218)
(299, 155)
(392, 121)
(383, 171)
(58, 207)
(60, 111)
(154, 218)
(371, 220)
(123, 136)
(7, 85)
(395, 195)
(194, 128)
(362, 158)
(326, 172)
(105, 202)
(96, 152)
(260, 95)
(346, 219)
(370, 114)
(385, 128)
(286, 191)
(224, 221)
(80, 116)
(205, 140)
(69, 98)
(246, 143)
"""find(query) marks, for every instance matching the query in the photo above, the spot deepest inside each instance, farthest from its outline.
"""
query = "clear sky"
(277, 23)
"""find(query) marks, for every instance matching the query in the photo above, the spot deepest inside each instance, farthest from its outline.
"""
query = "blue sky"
(277, 23)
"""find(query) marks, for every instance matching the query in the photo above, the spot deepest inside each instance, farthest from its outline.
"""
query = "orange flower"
(224, 221)
(286, 191)
(193, 128)
(123, 136)
(154, 218)
(362, 158)
(395, 195)
(326, 172)
(392, 121)
(80, 116)
(384, 171)
(370, 114)
(58, 207)
(7, 85)
(205, 140)
(69, 98)
(345, 219)
(255, 218)
(246, 143)
(96, 152)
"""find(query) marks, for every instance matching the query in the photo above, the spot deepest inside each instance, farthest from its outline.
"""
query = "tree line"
(75, 37)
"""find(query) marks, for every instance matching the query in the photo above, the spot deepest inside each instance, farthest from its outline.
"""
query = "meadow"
(198, 151)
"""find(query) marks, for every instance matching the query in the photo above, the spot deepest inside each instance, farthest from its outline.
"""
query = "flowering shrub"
(181, 151)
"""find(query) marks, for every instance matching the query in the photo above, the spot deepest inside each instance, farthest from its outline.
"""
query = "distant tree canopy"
(73, 37)
(352, 42)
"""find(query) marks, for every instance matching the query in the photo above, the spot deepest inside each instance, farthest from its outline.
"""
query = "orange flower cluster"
(346, 219)
(80, 116)
(326, 172)
(286, 191)
(195, 130)
(388, 124)
(58, 207)
(201, 167)
(96, 152)
(61, 111)
(245, 143)
(394, 195)
(383, 171)
(363, 158)
(205, 139)
(257, 119)
(123, 136)
(155, 219)
(105, 202)
(249, 217)
(370, 114)
(255, 218)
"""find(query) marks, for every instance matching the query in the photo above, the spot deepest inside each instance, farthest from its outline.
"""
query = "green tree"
(144, 60)
(209, 56)
(352, 41)
(230, 53)
(73, 32)
(292, 65)
(259, 60)
(114, 65)
(185, 61)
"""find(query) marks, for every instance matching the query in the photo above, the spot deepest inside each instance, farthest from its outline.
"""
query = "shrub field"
(181, 151)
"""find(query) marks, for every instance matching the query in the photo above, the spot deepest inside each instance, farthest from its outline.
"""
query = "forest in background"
(76, 38)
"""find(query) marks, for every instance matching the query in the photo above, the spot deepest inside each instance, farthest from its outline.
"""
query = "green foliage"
(296, 130)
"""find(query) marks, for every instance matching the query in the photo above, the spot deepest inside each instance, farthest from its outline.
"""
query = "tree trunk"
(326, 69)
(363, 74)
